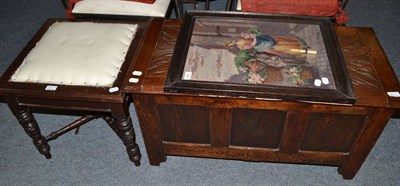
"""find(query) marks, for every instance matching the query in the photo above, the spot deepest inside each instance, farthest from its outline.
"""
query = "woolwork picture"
(258, 53)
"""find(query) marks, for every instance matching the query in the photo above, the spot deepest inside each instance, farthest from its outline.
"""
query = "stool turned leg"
(28, 122)
(228, 5)
(207, 5)
(178, 9)
(31, 127)
(127, 134)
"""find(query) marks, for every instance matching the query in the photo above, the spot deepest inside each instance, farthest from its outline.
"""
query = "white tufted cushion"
(119, 7)
(77, 53)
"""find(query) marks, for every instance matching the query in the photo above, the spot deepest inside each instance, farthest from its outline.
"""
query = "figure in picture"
(280, 46)
(263, 59)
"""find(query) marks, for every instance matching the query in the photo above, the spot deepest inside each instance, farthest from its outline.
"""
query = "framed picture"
(259, 56)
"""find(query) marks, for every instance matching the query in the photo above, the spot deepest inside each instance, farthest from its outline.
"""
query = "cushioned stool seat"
(73, 53)
(301, 7)
(76, 66)
(325, 8)
(120, 7)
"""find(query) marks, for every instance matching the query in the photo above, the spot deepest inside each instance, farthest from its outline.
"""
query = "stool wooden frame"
(97, 101)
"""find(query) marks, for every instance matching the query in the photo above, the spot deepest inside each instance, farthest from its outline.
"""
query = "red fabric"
(297, 7)
(341, 17)
(72, 2)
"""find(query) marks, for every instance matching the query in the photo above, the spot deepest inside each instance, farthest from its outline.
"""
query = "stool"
(75, 66)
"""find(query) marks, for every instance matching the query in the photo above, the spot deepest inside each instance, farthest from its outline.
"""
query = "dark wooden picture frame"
(193, 34)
